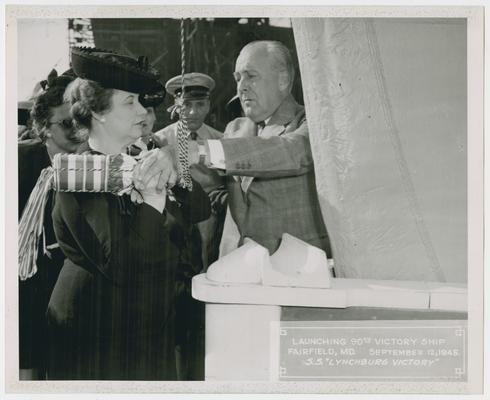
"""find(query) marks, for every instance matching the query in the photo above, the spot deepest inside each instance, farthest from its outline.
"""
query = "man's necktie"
(247, 180)
(260, 126)
(193, 135)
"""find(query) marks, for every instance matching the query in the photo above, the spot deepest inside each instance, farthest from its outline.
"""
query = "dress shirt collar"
(199, 132)
(285, 113)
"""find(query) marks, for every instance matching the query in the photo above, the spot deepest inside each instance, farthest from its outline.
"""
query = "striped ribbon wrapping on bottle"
(93, 173)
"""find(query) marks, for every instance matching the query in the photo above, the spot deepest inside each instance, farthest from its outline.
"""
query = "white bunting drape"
(386, 109)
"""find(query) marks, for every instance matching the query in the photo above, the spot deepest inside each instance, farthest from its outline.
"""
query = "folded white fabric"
(294, 264)
(297, 264)
(242, 265)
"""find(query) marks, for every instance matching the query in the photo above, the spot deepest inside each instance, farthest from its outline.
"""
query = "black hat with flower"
(116, 71)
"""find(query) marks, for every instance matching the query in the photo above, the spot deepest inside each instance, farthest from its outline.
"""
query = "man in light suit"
(266, 154)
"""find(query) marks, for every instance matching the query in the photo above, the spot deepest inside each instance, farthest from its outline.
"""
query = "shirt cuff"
(216, 154)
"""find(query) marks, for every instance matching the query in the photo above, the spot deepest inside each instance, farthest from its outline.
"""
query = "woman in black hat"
(111, 312)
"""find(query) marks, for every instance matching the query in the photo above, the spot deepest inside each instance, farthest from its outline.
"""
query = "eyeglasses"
(64, 123)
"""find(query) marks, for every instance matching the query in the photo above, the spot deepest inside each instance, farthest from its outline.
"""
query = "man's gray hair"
(281, 54)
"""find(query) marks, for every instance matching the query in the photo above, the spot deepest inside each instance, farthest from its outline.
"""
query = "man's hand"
(156, 163)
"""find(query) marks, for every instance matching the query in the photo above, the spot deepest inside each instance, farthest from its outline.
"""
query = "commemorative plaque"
(373, 350)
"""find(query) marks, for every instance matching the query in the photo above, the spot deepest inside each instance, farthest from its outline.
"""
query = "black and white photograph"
(224, 202)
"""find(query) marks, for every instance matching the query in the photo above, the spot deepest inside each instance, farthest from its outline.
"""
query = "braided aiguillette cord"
(182, 130)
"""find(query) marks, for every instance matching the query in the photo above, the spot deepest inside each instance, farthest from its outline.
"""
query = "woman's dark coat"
(112, 312)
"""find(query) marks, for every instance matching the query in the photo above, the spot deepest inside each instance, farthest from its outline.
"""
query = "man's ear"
(284, 80)
(208, 106)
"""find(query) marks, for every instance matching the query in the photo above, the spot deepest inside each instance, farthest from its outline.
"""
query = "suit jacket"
(282, 196)
(207, 178)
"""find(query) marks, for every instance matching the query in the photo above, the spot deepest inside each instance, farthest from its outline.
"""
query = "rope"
(182, 53)
(182, 130)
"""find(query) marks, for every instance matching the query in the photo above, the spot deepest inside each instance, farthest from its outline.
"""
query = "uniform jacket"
(214, 185)
(282, 196)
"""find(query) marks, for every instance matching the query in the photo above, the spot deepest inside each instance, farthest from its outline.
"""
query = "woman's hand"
(149, 195)
(159, 164)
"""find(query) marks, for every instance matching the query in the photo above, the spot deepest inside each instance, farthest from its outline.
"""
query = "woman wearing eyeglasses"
(112, 310)
(53, 128)
(54, 132)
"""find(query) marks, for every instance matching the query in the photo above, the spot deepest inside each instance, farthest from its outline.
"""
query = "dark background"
(212, 46)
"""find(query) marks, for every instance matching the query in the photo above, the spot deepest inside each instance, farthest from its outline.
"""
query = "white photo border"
(474, 16)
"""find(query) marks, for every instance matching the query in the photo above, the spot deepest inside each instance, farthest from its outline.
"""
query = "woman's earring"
(102, 120)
